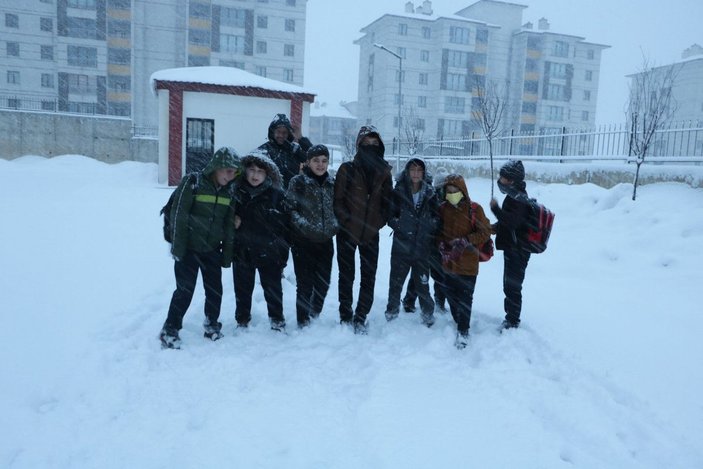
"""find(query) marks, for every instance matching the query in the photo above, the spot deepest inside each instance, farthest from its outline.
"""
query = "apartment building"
(550, 80)
(96, 56)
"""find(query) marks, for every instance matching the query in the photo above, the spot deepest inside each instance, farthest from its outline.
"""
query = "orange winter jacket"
(455, 222)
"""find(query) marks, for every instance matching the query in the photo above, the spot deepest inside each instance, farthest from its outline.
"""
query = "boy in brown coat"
(458, 239)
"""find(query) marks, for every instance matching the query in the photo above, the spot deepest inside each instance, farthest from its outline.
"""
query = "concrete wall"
(52, 134)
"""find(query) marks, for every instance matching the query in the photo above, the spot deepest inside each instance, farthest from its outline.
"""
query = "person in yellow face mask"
(457, 239)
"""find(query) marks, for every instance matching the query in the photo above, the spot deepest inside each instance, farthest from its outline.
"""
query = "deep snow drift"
(605, 371)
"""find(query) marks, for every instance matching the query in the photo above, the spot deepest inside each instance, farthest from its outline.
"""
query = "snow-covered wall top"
(224, 76)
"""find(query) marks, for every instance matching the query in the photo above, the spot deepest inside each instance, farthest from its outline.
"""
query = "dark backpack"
(486, 250)
(539, 227)
(194, 180)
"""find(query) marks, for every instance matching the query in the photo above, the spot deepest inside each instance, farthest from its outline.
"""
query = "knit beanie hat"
(513, 170)
(318, 150)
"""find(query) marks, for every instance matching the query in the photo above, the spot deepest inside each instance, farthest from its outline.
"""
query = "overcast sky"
(661, 29)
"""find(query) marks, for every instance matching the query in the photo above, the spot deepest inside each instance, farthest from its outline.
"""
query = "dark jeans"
(313, 267)
(460, 295)
(346, 250)
(186, 270)
(437, 274)
(270, 276)
(419, 278)
(514, 266)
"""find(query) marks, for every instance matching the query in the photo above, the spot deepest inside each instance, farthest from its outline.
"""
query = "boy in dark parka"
(362, 194)
(282, 148)
(414, 217)
(511, 237)
(310, 199)
(262, 230)
(202, 239)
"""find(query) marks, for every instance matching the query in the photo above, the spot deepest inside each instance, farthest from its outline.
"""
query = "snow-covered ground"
(604, 373)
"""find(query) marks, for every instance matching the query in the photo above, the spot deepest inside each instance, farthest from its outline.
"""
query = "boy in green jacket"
(202, 239)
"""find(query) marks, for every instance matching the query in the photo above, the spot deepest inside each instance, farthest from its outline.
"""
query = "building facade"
(96, 56)
(332, 124)
(548, 80)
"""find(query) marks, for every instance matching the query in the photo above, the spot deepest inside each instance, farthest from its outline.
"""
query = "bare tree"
(491, 102)
(414, 128)
(649, 107)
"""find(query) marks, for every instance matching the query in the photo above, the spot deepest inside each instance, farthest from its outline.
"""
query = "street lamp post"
(400, 95)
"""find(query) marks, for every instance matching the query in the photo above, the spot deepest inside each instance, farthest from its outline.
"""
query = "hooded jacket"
(287, 156)
(455, 222)
(413, 227)
(513, 216)
(311, 208)
(263, 233)
(203, 216)
(362, 192)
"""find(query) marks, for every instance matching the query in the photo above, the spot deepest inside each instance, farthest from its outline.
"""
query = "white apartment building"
(96, 56)
(551, 79)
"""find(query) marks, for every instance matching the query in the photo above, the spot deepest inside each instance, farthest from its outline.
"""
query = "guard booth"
(204, 108)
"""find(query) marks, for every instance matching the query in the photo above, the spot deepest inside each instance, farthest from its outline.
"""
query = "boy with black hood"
(282, 148)
(362, 195)
(511, 237)
(202, 240)
(313, 225)
(414, 220)
(262, 229)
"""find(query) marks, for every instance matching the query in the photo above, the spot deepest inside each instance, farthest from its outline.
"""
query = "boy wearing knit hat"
(511, 237)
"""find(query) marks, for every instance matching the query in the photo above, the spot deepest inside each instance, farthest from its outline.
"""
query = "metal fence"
(679, 141)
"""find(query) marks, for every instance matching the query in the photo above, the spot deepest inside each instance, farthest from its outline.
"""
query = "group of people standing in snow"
(250, 212)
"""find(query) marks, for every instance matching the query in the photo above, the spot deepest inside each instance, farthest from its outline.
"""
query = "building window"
(456, 81)
(402, 51)
(399, 77)
(396, 120)
(556, 92)
(454, 105)
(589, 75)
(119, 28)
(81, 84)
(202, 10)
(290, 25)
(233, 17)
(584, 115)
(529, 108)
(590, 54)
(531, 86)
(198, 60)
(261, 71)
(482, 36)
(232, 63)
(424, 55)
(48, 105)
(262, 22)
(557, 70)
(458, 59)
(458, 35)
(12, 49)
(47, 52)
(118, 56)
(46, 24)
(199, 36)
(119, 109)
(120, 4)
(531, 65)
(423, 78)
(47, 80)
(402, 29)
(119, 84)
(422, 101)
(561, 49)
(82, 56)
(260, 47)
(12, 21)
(83, 4)
(586, 95)
(231, 43)
(290, 3)
(452, 128)
(81, 108)
(289, 50)
(555, 113)
(426, 32)
(13, 77)
(396, 99)
(288, 75)
(84, 28)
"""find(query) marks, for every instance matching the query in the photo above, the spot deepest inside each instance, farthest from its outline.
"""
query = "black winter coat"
(414, 228)
(511, 228)
(311, 207)
(262, 236)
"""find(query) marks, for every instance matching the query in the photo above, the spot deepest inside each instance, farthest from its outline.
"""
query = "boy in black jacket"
(261, 222)
(511, 237)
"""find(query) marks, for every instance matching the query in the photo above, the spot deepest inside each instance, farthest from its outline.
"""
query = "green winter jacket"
(202, 214)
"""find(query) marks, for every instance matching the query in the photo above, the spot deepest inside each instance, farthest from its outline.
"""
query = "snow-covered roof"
(330, 110)
(223, 76)
(425, 17)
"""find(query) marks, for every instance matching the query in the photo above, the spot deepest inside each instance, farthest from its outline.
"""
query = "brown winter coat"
(360, 213)
(455, 222)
